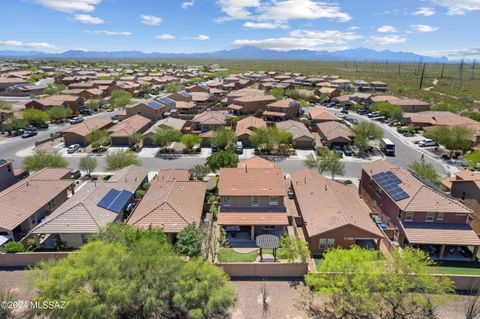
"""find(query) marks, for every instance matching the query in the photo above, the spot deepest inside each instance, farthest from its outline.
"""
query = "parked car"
(73, 148)
(331, 104)
(55, 134)
(75, 174)
(239, 148)
(76, 120)
(347, 151)
(340, 115)
(214, 148)
(427, 143)
(290, 193)
(27, 134)
(114, 119)
(130, 207)
(42, 125)
(106, 106)
(347, 106)
(85, 112)
(337, 149)
(30, 128)
(362, 111)
(351, 120)
(373, 114)
(344, 111)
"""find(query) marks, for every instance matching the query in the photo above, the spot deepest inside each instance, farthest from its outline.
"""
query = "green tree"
(454, 138)
(93, 105)
(190, 140)
(87, 164)
(42, 159)
(364, 284)
(189, 241)
(13, 247)
(270, 138)
(98, 139)
(135, 138)
(293, 248)
(53, 89)
(364, 133)
(121, 159)
(5, 105)
(426, 170)
(34, 116)
(165, 135)
(120, 98)
(388, 110)
(326, 161)
(59, 113)
(199, 171)
(277, 93)
(173, 87)
(222, 159)
(473, 159)
(14, 124)
(213, 295)
(224, 138)
(146, 89)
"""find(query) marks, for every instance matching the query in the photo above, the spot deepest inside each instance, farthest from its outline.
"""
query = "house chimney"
(326, 187)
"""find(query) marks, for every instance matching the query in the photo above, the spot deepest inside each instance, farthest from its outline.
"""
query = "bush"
(13, 247)
(140, 193)
(347, 182)
(146, 186)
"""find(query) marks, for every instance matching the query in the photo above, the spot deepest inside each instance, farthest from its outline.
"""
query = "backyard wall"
(26, 259)
(265, 269)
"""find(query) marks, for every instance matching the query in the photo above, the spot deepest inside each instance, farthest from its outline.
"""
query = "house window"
(226, 201)
(325, 243)
(330, 242)
(273, 201)
(409, 216)
(430, 216)
(440, 216)
(378, 191)
(254, 200)
(32, 220)
(268, 227)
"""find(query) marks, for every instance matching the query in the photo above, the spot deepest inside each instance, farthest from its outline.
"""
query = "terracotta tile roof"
(297, 129)
(254, 98)
(57, 99)
(322, 114)
(326, 204)
(170, 205)
(407, 102)
(88, 126)
(251, 182)
(23, 199)
(210, 117)
(173, 174)
(422, 198)
(256, 162)
(383, 98)
(440, 234)
(272, 113)
(468, 175)
(130, 125)
(252, 218)
(248, 125)
(182, 105)
(333, 129)
(285, 103)
(81, 215)
(172, 122)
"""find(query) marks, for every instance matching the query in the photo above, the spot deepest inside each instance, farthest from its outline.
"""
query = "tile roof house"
(419, 214)
(172, 203)
(45, 191)
(251, 103)
(321, 114)
(71, 101)
(121, 132)
(333, 132)
(246, 127)
(301, 136)
(282, 110)
(256, 162)
(332, 213)
(411, 105)
(208, 121)
(252, 202)
(149, 135)
(153, 110)
(76, 134)
(8, 175)
(93, 206)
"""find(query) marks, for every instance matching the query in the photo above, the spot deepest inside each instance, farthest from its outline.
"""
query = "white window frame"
(255, 201)
(409, 216)
(273, 201)
(430, 217)
(226, 201)
(330, 242)
(441, 216)
(322, 243)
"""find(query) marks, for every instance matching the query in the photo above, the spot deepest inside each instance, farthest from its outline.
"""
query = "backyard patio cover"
(252, 218)
(440, 234)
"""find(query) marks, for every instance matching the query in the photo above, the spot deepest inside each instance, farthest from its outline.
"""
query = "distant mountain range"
(247, 52)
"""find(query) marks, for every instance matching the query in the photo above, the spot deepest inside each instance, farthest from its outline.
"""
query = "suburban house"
(77, 134)
(172, 202)
(181, 96)
(282, 110)
(252, 202)
(328, 92)
(249, 101)
(256, 162)
(71, 101)
(6, 82)
(301, 136)
(208, 121)
(10, 175)
(246, 127)
(45, 190)
(418, 214)
(379, 86)
(120, 133)
(93, 206)
(332, 213)
(321, 114)
(171, 122)
(152, 110)
(334, 133)
(381, 98)
(411, 105)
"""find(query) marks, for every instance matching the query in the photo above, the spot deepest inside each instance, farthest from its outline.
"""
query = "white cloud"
(304, 39)
(70, 5)
(113, 33)
(264, 25)
(424, 11)
(423, 28)
(453, 53)
(280, 10)
(28, 45)
(201, 37)
(165, 36)
(458, 7)
(387, 29)
(150, 20)
(88, 19)
(353, 28)
(386, 40)
(188, 4)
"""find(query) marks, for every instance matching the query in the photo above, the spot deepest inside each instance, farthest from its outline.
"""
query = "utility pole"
(386, 71)
(458, 81)
(473, 69)
(399, 64)
(443, 68)
(423, 74)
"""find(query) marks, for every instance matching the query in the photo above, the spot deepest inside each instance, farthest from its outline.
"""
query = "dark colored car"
(75, 174)
(290, 193)
(344, 111)
(55, 134)
(42, 125)
(214, 148)
(85, 112)
(347, 151)
(362, 111)
(27, 134)
(331, 104)
(30, 128)
(337, 149)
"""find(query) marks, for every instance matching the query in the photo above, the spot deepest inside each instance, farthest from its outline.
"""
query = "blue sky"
(433, 27)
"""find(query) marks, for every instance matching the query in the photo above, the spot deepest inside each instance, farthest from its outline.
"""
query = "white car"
(73, 148)
(427, 143)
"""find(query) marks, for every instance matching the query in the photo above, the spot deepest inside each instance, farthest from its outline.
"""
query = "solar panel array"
(185, 94)
(115, 200)
(293, 104)
(389, 182)
(167, 100)
(155, 105)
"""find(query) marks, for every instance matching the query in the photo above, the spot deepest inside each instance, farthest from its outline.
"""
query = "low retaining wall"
(265, 269)
(21, 260)
(465, 282)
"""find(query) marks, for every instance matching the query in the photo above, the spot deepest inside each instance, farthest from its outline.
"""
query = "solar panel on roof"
(154, 105)
(185, 94)
(389, 182)
(115, 200)
(167, 100)
(293, 104)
